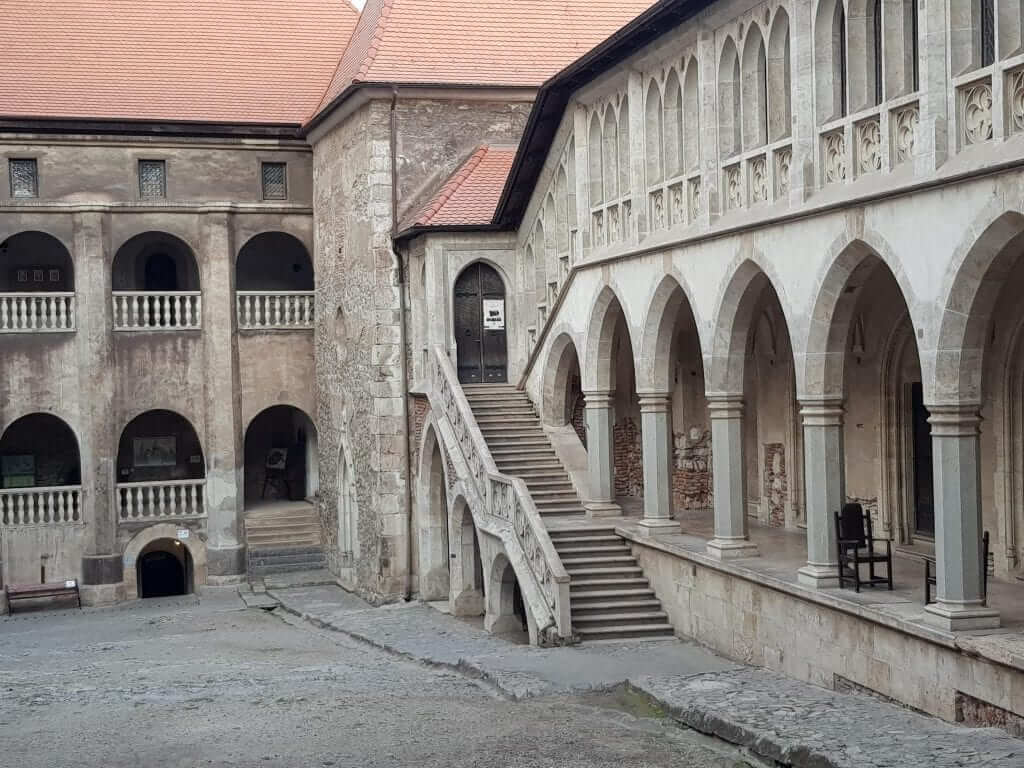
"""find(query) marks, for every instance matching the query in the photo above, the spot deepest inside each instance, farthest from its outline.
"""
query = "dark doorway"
(924, 499)
(161, 273)
(161, 574)
(480, 326)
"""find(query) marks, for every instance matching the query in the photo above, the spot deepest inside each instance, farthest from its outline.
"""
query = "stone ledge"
(975, 645)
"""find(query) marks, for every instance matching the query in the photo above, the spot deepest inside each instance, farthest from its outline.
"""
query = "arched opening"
(655, 135)
(691, 117)
(506, 611)
(37, 284)
(274, 283)
(432, 552)
(160, 468)
(155, 283)
(779, 89)
(468, 589)
(40, 472)
(610, 155)
(479, 324)
(281, 457)
(729, 128)
(624, 149)
(594, 156)
(674, 133)
(563, 391)
(830, 75)
(164, 569)
(755, 89)
(627, 435)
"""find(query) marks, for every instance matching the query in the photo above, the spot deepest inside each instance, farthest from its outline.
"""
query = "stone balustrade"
(275, 310)
(170, 499)
(37, 312)
(56, 505)
(157, 311)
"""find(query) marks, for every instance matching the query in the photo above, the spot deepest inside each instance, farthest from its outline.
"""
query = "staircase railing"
(505, 499)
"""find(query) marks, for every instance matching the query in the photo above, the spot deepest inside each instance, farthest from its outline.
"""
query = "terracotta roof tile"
(475, 42)
(240, 61)
(471, 194)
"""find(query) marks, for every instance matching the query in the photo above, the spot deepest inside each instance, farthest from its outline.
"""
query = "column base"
(102, 594)
(602, 509)
(731, 549)
(958, 617)
(818, 576)
(223, 563)
(658, 526)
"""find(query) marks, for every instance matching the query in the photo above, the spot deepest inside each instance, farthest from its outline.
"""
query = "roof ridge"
(451, 186)
(341, 57)
(378, 37)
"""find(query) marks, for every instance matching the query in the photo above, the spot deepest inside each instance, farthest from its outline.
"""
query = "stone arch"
(594, 156)
(830, 77)
(506, 611)
(188, 453)
(624, 148)
(730, 135)
(281, 427)
(274, 261)
(675, 162)
(155, 261)
(836, 297)
(557, 403)
(604, 314)
(971, 288)
(671, 301)
(691, 116)
(754, 89)
(152, 534)
(654, 130)
(468, 579)
(33, 261)
(864, 56)
(53, 445)
(779, 88)
(610, 155)
(432, 549)
(562, 211)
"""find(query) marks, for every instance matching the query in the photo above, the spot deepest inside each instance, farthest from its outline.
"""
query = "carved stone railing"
(37, 312)
(275, 310)
(158, 311)
(505, 499)
(56, 505)
(168, 500)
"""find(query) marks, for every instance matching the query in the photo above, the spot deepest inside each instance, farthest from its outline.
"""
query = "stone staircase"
(283, 538)
(611, 599)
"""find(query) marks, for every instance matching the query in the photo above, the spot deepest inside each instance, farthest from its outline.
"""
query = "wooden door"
(480, 335)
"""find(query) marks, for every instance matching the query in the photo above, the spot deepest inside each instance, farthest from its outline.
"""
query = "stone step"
(502, 406)
(606, 585)
(627, 632)
(579, 533)
(310, 565)
(311, 549)
(595, 561)
(600, 574)
(594, 549)
(533, 463)
(556, 511)
(551, 485)
(597, 539)
(499, 441)
(608, 619)
(307, 561)
(611, 599)
(506, 422)
(530, 451)
(501, 394)
(490, 432)
(278, 542)
(283, 528)
(529, 476)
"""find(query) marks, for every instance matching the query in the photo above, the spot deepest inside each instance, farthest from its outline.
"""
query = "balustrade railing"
(171, 499)
(505, 498)
(37, 312)
(56, 505)
(275, 310)
(157, 311)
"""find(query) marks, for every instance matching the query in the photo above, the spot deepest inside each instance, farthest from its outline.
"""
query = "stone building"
(587, 315)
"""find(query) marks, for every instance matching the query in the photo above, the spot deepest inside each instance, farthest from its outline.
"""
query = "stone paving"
(774, 717)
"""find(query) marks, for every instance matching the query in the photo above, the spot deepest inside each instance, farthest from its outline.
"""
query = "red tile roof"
(471, 194)
(474, 42)
(232, 61)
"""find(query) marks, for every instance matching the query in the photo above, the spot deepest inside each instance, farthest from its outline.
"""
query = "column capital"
(723, 405)
(598, 398)
(654, 402)
(955, 419)
(822, 412)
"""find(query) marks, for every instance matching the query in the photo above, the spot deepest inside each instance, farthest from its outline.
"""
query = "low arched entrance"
(164, 569)
(479, 325)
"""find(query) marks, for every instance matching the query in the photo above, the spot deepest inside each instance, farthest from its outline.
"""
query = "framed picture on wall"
(18, 471)
(154, 451)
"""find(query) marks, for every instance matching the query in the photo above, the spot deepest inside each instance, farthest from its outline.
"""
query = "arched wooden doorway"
(480, 325)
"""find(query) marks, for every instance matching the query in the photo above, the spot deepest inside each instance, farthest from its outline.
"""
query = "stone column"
(600, 455)
(102, 573)
(956, 462)
(825, 486)
(656, 427)
(729, 479)
(223, 445)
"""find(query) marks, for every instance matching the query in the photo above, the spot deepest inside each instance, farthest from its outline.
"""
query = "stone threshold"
(965, 642)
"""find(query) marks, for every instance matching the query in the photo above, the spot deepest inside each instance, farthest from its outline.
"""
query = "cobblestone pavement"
(775, 717)
(185, 683)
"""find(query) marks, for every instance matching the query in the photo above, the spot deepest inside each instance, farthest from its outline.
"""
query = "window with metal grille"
(275, 181)
(152, 179)
(24, 178)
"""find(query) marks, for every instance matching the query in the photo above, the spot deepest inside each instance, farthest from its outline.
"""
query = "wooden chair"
(930, 580)
(857, 546)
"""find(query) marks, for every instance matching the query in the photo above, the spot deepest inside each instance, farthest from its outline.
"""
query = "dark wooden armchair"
(857, 546)
(929, 573)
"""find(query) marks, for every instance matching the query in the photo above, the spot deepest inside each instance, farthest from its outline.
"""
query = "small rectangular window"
(275, 181)
(24, 178)
(152, 179)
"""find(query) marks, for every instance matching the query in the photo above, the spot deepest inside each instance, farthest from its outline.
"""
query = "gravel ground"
(187, 682)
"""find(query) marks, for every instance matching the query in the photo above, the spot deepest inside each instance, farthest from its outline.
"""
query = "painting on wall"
(18, 471)
(154, 451)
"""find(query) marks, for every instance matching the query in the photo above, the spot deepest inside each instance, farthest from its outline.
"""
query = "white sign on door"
(183, 533)
(494, 314)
